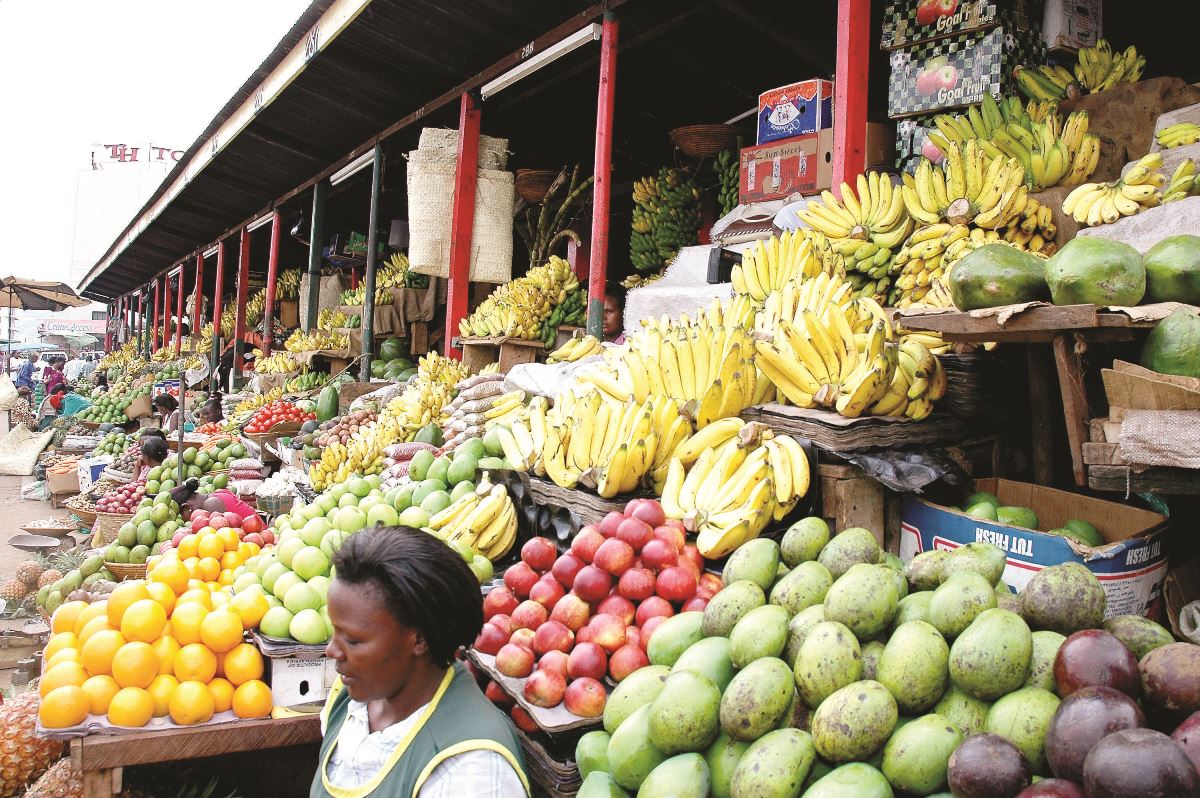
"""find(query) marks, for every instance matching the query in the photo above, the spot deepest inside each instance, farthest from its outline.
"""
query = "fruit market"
(846, 447)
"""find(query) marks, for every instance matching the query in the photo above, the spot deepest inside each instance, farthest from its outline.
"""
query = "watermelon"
(390, 349)
(1173, 346)
(1173, 270)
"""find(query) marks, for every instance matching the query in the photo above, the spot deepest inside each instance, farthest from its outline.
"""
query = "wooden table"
(102, 758)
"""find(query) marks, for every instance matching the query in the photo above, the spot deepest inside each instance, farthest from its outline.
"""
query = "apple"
(709, 585)
(495, 693)
(523, 720)
(584, 635)
(567, 567)
(572, 612)
(553, 636)
(647, 510)
(633, 636)
(927, 12)
(614, 556)
(587, 659)
(619, 606)
(585, 697)
(692, 553)
(658, 554)
(635, 532)
(648, 629)
(608, 631)
(592, 584)
(927, 82)
(255, 538)
(500, 600)
(268, 536)
(673, 531)
(694, 604)
(554, 661)
(547, 591)
(529, 614)
(491, 639)
(545, 688)
(608, 525)
(177, 537)
(217, 521)
(636, 584)
(520, 579)
(539, 554)
(653, 607)
(252, 525)
(199, 522)
(515, 661)
(627, 659)
(947, 77)
(676, 584)
(931, 151)
(523, 638)
(586, 542)
(503, 622)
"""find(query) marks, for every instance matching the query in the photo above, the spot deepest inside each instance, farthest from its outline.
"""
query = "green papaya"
(1173, 346)
(995, 275)
(1091, 270)
(327, 403)
(1173, 270)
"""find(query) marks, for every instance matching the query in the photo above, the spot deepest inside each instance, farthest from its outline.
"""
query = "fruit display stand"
(502, 349)
(553, 720)
(835, 432)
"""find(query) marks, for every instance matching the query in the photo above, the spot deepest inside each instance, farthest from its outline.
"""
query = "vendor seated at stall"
(404, 718)
(211, 412)
(154, 451)
(22, 411)
(168, 407)
(219, 501)
(614, 330)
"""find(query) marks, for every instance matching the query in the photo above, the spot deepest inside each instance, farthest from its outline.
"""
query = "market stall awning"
(18, 293)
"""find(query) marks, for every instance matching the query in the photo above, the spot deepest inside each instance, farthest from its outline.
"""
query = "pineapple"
(23, 755)
(49, 577)
(60, 781)
(29, 572)
(13, 591)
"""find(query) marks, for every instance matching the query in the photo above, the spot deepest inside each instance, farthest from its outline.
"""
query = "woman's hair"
(24, 391)
(425, 584)
(152, 432)
(155, 449)
(185, 491)
(102, 379)
(60, 388)
(166, 402)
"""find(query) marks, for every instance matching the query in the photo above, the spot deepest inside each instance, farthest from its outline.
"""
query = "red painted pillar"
(602, 189)
(166, 317)
(462, 220)
(179, 292)
(272, 274)
(198, 304)
(218, 292)
(850, 90)
(243, 290)
(141, 321)
(154, 323)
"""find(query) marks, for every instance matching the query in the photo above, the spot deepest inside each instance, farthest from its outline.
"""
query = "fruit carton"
(802, 165)
(797, 109)
(909, 22)
(1071, 24)
(1131, 565)
(958, 71)
(913, 144)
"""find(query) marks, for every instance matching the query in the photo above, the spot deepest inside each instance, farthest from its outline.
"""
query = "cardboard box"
(90, 469)
(957, 72)
(802, 165)
(1132, 387)
(797, 109)
(1131, 568)
(909, 22)
(299, 680)
(289, 313)
(63, 483)
(1071, 24)
(138, 408)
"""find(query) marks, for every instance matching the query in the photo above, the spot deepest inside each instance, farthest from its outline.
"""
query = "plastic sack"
(36, 491)
(8, 393)
(910, 470)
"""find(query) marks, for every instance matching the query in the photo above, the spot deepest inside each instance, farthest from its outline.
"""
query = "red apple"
(520, 579)
(268, 536)
(515, 661)
(636, 584)
(592, 584)
(522, 638)
(539, 554)
(587, 659)
(217, 521)
(619, 606)
(927, 82)
(927, 12)
(653, 607)
(199, 522)
(614, 556)
(709, 585)
(554, 661)
(694, 604)
(586, 542)
(692, 553)
(523, 720)
(608, 526)
(585, 697)
(676, 584)
(252, 524)
(499, 601)
(180, 535)
(552, 636)
(673, 531)
(627, 659)
(648, 629)
(658, 554)
(504, 623)
(495, 693)
(647, 510)
(608, 631)
(572, 612)
(635, 532)
(545, 688)
(490, 640)
(633, 636)
(529, 614)
(547, 591)
(584, 635)
(254, 538)
(566, 568)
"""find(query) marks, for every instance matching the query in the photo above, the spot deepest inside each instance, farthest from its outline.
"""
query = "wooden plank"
(1041, 429)
(830, 431)
(1096, 430)
(1075, 404)
(418, 337)
(1101, 454)
(516, 353)
(1033, 324)
(101, 783)
(101, 752)
(1119, 479)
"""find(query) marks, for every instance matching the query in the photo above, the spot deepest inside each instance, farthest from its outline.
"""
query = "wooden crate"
(418, 338)
(850, 498)
(508, 352)
(349, 391)
(566, 333)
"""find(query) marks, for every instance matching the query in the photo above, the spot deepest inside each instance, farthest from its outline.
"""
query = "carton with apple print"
(909, 22)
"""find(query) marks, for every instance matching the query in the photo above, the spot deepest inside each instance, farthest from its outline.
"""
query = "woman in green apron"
(404, 719)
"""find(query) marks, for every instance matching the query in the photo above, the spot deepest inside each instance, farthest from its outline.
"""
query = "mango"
(757, 698)
(913, 666)
(983, 511)
(850, 547)
(599, 784)
(854, 722)
(965, 711)
(1064, 598)
(855, 779)
(1140, 635)
(798, 629)
(756, 561)
(673, 637)
(864, 599)
(982, 497)
(1041, 663)
(913, 607)
(958, 601)
(916, 756)
(591, 752)
(727, 608)
(631, 756)
(802, 587)
(1023, 718)
(924, 572)
(685, 715)
(762, 632)
(991, 657)
(898, 575)
(722, 758)
(1017, 516)
(983, 558)
(804, 540)
(683, 776)
(871, 653)
(637, 690)
(708, 657)
(775, 765)
(829, 660)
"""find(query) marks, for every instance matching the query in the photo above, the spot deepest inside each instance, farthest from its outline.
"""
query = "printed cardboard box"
(796, 109)
(1071, 24)
(802, 165)
(909, 22)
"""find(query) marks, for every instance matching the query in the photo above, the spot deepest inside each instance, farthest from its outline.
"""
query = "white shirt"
(71, 369)
(359, 754)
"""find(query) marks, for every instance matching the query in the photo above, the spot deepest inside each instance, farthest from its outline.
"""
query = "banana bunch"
(485, 519)
(276, 363)
(730, 480)
(818, 294)
(391, 273)
(576, 349)
(1183, 183)
(362, 455)
(1104, 203)
(573, 312)
(507, 409)
(967, 191)
(308, 381)
(426, 394)
(1099, 68)
(666, 218)
(877, 213)
(925, 257)
(328, 319)
(1177, 135)
(868, 267)
(1043, 83)
(314, 340)
(638, 280)
(255, 306)
(1037, 110)
(242, 412)
(519, 308)
(164, 354)
(768, 266)
(287, 284)
(727, 168)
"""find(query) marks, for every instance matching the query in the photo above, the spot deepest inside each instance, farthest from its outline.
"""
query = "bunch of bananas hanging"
(573, 312)
(518, 308)
(576, 349)
(309, 381)
(361, 455)
(767, 266)
(315, 340)
(287, 285)
(276, 363)
(666, 218)
(1177, 135)
(255, 306)
(118, 358)
(730, 480)
(1183, 183)
(877, 213)
(1098, 68)
(727, 168)
(164, 354)
(485, 519)
(1104, 203)
(1045, 83)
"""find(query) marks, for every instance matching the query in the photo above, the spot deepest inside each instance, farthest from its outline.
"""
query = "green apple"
(414, 517)
(382, 515)
(273, 602)
(309, 628)
(332, 542)
(287, 550)
(369, 501)
(336, 491)
(348, 500)
(246, 580)
(272, 575)
(463, 549)
(373, 480)
(358, 486)
(314, 530)
(265, 561)
(350, 519)
(284, 583)
(482, 568)
(277, 622)
(310, 561)
(321, 585)
(326, 503)
(301, 597)
(311, 511)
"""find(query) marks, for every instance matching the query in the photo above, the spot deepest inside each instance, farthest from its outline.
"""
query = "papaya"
(327, 403)
(995, 275)
(1091, 270)
(378, 368)
(1173, 270)
(1173, 346)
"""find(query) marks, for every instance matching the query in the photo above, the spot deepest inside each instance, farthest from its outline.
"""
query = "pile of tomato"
(211, 428)
(277, 412)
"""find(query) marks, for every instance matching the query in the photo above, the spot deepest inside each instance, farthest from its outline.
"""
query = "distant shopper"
(53, 375)
(25, 375)
(89, 366)
(73, 368)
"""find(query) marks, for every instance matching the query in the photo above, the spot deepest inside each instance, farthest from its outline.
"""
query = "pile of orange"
(167, 646)
(210, 556)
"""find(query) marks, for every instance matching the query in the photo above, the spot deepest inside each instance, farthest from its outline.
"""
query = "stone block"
(1143, 230)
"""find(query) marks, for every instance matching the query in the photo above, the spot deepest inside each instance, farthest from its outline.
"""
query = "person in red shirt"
(189, 500)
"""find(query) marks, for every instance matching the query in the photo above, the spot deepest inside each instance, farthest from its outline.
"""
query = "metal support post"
(850, 90)
(602, 189)
(462, 220)
(272, 275)
(216, 312)
(368, 319)
(315, 237)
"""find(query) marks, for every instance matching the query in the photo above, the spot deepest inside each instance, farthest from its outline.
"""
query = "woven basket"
(703, 141)
(532, 184)
(86, 516)
(124, 570)
(106, 526)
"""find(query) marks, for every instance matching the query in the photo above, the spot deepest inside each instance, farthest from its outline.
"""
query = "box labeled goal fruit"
(797, 109)
(1131, 564)
(908, 22)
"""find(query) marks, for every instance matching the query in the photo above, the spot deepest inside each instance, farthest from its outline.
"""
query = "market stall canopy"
(21, 294)
(31, 347)
(73, 341)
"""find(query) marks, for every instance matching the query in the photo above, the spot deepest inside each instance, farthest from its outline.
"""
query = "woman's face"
(372, 651)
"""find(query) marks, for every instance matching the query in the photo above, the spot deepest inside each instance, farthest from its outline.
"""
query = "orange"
(163, 594)
(188, 546)
(171, 573)
(193, 582)
(252, 700)
(247, 549)
(208, 569)
(63, 674)
(135, 665)
(185, 621)
(160, 689)
(229, 538)
(119, 600)
(165, 648)
(191, 703)
(131, 707)
(58, 642)
(226, 578)
(100, 690)
(62, 655)
(250, 606)
(242, 664)
(220, 598)
(210, 546)
(222, 693)
(65, 615)
(230, 560)
(93, 610)
(221, 630)
(143, 621)
(64, 707)
(199, 596)
(97, 624)
(98, 652)
(194, 662)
